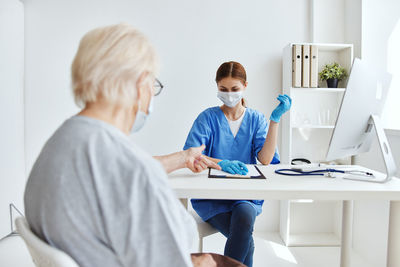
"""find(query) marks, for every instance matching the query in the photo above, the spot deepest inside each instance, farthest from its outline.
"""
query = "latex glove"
(286, 103)
(233, 167)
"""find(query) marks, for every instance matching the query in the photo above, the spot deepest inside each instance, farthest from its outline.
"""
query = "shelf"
(306, 133)
(326, 46)
(329, 90)
(314, 240)
(314, 127)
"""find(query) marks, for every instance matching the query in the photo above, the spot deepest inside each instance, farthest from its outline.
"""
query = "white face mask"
(230, 99)
(141, 117)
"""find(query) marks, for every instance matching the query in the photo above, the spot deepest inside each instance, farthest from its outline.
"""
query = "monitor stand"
(391, 169)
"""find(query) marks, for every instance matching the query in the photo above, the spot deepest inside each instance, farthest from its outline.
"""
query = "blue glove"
(286, 103)
(233, 167)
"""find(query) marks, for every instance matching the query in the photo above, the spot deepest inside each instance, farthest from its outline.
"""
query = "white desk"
(189, 185)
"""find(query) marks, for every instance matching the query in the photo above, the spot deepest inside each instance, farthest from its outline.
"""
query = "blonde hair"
(108, 63)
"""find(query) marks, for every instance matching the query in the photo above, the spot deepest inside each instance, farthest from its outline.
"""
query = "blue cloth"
(237, 226)
(211, 128)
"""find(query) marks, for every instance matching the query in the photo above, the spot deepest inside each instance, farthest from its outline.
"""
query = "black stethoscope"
(322, 172)
(299, 172)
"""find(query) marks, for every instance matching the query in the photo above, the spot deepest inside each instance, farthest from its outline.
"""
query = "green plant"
(332, 71)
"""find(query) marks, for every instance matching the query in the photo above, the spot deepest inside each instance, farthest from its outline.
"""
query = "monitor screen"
(365, 95)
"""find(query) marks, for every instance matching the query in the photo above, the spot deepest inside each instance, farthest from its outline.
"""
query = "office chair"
(43, 255)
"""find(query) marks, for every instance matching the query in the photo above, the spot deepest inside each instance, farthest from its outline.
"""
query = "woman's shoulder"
(253, 113)
(208, 113)
(211, 111)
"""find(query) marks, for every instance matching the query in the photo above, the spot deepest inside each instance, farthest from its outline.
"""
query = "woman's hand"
(196, 161)
(233, 167)
(191, 158)
(284, 105)
(203, 260)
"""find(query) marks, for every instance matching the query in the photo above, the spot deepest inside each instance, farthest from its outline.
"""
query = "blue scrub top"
(211, 128)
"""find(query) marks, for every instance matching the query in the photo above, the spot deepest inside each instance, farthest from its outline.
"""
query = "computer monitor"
(359, 113)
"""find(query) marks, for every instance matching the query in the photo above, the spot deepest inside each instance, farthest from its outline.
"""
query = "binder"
(306, 66)
(314, 66)
(296, 65)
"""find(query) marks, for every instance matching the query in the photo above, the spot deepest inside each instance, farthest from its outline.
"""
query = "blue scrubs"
(211, 128)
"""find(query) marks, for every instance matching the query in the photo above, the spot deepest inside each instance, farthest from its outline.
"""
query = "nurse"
(235, 135)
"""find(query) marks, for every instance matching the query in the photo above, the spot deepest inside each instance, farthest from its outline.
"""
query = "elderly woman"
(93, 193)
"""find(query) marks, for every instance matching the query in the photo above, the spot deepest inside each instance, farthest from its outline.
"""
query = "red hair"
(231, 69)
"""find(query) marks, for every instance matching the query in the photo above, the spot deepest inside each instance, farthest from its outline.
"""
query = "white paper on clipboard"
(252, 172)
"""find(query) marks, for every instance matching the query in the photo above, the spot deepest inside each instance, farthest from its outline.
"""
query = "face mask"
(141, 117)
(230, 99)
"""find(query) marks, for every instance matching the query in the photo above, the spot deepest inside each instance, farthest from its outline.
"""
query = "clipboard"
(237, 176)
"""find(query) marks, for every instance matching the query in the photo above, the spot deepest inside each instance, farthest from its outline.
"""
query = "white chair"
(204, 228)
(43, 255)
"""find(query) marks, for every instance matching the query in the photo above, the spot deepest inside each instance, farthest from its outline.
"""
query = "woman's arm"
(212, 159)
(267, 152)
(191, 158)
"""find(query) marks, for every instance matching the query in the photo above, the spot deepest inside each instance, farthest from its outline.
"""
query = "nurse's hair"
(232, 69)
(108, 63)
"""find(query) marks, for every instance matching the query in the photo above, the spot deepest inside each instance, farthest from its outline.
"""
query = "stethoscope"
(328, 172)
(323, 172)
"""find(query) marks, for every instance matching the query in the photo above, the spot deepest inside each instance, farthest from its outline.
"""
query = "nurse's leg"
(240, 245)
(249, 258)
(221, 222)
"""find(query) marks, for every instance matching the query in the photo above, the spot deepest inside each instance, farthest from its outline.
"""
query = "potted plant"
(332, 74)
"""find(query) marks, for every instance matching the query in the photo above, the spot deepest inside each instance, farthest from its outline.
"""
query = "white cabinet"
(306, 132)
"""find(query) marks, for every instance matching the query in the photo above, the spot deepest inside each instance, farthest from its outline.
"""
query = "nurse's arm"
(191, 158)
(267, 152)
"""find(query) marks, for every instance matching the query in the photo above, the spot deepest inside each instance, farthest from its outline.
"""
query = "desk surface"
(190, 185)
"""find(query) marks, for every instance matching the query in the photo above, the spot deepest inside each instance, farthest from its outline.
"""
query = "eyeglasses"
(157, 87)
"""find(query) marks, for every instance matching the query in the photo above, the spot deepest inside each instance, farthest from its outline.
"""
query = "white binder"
(306, 66)
(296, 65)
(314, 66)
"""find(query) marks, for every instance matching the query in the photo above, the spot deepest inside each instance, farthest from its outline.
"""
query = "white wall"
(352, 25)
(12, 180)
(379, 19)
(192, 38)
(329, 22)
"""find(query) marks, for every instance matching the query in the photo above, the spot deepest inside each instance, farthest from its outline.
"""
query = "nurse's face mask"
(230, 91)
(142, 116)
(230, 99)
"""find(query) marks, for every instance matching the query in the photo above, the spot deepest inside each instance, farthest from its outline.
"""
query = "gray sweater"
(95, 195)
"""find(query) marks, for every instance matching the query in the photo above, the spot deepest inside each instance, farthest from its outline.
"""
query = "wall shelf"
(306, 132)
(327, 90)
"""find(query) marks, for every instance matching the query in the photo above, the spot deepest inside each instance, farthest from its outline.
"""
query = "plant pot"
(332, 83)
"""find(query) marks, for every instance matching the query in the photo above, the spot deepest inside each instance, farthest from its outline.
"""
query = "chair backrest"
(43, 255)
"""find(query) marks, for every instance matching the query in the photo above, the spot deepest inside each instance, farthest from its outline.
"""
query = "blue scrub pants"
(237, 226)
